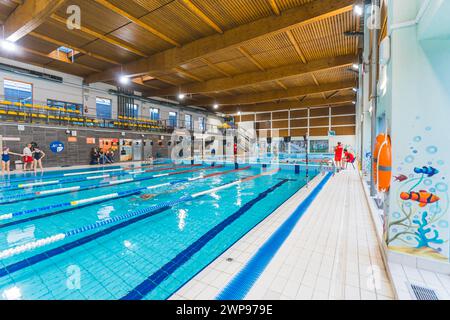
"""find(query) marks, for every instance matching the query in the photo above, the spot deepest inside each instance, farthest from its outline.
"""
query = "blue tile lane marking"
(141, 215)
(134, 217)
(241, 284)
(154, 280)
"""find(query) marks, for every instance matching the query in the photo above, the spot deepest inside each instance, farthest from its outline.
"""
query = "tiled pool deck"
(332, 253)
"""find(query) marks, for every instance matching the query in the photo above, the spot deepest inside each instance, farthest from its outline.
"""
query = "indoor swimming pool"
(136, 232)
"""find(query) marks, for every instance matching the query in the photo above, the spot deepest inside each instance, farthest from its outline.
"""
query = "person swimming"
(148, 196)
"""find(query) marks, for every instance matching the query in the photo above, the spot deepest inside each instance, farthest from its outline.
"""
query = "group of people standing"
(343, 156)
(31, 155)
(99, 156)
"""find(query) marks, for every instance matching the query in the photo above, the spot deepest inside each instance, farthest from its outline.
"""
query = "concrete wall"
(75, 153)
(416, 104)
(72, 90)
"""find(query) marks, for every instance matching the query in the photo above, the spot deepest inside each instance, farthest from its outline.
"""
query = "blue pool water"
(146, 249)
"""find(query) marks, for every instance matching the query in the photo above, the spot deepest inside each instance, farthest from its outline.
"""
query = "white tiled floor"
(332, 252)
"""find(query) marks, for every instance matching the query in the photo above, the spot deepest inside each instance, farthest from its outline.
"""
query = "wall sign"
(72, 139)
(57, 146)
(90, 140)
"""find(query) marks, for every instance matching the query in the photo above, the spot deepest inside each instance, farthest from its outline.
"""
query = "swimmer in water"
(148, 196)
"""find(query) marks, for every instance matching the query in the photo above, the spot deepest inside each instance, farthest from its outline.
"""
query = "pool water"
(154, 246)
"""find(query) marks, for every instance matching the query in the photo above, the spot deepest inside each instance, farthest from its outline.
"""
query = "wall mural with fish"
(418, 219)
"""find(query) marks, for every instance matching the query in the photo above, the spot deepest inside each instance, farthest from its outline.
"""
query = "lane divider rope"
(72, 180)
(59, 191)
(135, 214)
(76, 203)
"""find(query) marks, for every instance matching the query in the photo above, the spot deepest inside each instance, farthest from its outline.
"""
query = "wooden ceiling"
(240, 54)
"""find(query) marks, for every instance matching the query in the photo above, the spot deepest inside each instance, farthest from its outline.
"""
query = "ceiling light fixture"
(124, 79)
(8, 46)
(216, 106)
(358, 10)
(181, 96)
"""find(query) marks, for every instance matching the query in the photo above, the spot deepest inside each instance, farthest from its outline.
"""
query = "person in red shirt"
(338, 151)
(349, 158)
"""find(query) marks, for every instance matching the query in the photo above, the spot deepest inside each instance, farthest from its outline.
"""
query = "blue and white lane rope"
(104, 197)
(59, 191)
(67, 206)
(61, 236)
(101, 175)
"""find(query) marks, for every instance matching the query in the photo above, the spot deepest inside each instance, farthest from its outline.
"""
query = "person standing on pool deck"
(338, 151)
(27, 157)
(38, 155)
(6, 160)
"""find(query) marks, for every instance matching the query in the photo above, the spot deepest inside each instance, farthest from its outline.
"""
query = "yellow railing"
(33, 112)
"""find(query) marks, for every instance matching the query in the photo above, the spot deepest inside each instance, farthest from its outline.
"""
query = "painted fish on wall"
(429, 171)
(401, 178)
(423, 197)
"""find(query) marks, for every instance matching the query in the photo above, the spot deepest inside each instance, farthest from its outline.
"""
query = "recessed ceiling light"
(239, 113)
(355, 66)
(355, 90)
(181, 96)
(358, 10)
(8, 46)
(124, 80)
(353, 102)
(216, 106)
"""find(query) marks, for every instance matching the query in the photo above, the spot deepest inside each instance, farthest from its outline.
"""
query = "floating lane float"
(3, 183)
(73, 180)
(138, 215)
(23, 197)
(72, 205)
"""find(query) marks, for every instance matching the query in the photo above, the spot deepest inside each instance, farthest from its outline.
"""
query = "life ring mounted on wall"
(382, 163)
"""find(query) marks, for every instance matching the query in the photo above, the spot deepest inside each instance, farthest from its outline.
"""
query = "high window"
(18, 91)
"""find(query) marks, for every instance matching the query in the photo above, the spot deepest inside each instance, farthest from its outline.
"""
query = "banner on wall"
(90, 140)
(57, 147)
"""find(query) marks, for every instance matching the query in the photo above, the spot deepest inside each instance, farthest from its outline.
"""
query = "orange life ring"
(383, 163)
(378, 142)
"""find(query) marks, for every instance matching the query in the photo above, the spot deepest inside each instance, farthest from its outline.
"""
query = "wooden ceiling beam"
(200, 14)
(46, 55)
(281, 84)
(28, 16)
(296, 46)
(63, 44)
(256, 77)
(333, 94)
(274, 7)
(103, 37)
(230, 39)
(138, 22)
(187, 74)
(140, 81)
(251, 58)
(317, 84)
(281, 94)
(285, 105)
(215, 67)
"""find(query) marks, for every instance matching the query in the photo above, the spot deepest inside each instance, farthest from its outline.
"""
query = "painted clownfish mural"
(423, 197)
